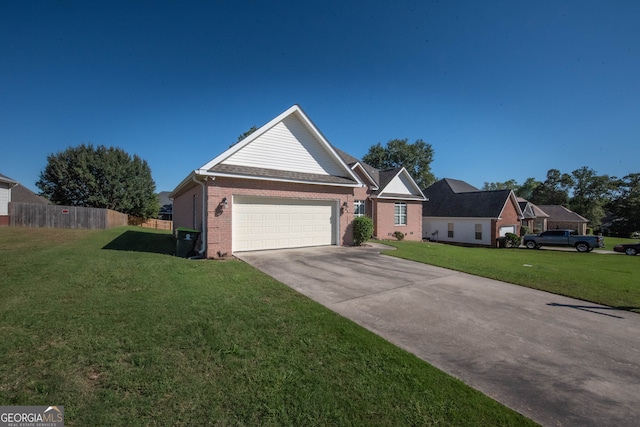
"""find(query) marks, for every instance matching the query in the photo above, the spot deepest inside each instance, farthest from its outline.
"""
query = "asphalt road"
(556, 360)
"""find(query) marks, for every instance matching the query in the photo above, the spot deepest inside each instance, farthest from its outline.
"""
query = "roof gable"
(398, 184)
(287, 146)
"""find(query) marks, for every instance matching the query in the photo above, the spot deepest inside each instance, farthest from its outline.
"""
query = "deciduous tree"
(101, 178)
(554, 190)
(416, 158)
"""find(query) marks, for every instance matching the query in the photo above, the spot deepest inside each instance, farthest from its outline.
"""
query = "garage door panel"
(263, 223)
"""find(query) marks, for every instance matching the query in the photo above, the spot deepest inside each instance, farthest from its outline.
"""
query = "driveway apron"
(556, 360)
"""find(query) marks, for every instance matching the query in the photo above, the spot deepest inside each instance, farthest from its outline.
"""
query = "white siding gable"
(5, 198)
(401, 184)
(289, 146)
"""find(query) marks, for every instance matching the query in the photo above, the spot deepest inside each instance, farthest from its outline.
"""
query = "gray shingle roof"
(454, 198)
(350, 160)
(279, 174)
(21, 194)
(562, 214)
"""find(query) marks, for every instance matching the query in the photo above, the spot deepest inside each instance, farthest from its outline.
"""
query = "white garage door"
(266, 223)
(505, 230)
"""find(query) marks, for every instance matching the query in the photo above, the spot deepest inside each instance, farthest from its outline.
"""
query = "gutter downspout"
(203, 235)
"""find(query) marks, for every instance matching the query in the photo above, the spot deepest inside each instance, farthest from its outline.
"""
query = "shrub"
(398, 235)
(362, 229)
(635, 235)
(524, 230)
(512, 240)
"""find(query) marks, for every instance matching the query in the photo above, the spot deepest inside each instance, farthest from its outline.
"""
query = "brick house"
(13, 191)
(460, 213)
(532, 216)
(561, 217)
(286, 186)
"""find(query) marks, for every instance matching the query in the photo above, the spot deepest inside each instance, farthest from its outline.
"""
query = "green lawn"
(110, 325)
(610, 279)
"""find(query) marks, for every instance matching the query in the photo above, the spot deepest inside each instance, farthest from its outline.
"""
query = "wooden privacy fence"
(54, 216)
(158, 224)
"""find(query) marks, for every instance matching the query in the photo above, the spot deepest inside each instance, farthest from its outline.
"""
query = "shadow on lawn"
(139, 241)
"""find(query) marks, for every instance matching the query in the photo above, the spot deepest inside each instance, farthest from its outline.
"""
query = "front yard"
(609, 279)
(111, 326)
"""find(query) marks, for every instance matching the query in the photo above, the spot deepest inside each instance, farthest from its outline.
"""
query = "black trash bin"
(186, 239)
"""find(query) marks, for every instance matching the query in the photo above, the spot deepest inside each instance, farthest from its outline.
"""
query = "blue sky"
(500, 89)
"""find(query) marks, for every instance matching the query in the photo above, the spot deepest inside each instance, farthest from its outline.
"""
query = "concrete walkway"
(557, 360)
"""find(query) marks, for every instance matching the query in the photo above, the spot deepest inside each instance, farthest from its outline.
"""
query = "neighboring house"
(561, 217)
(13, 191)
(6, 184)
(457, 212)
(166, 206)
(532, 216)
(286, 186)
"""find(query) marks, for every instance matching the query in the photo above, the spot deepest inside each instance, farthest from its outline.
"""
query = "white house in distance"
(458, 212)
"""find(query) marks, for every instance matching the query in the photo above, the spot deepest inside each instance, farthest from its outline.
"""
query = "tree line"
(587, 193)
(583, 191)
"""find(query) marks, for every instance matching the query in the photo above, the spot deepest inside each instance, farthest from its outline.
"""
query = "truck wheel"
(630, 251)
(582, 247)
(530, 244)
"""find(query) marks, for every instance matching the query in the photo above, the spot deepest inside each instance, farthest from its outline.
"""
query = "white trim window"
(358, 208)
(400, 213)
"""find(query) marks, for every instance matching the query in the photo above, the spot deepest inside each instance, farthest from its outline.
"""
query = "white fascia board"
(295, 109)
(514, 199)
(201, 172)
(415, 198)
(184, 182)
(413, 183)
(374, 184)
(466, 218)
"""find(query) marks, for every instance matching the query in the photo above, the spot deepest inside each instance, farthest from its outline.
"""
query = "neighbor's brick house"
(286, 186)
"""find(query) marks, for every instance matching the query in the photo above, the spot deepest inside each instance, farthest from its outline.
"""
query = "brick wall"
(219, 237)
(509, 217)
(384, 226)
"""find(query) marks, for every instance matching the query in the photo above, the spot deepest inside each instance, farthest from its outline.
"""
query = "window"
(450, 230)
(358, 208)
(478, 231)
(400, 211)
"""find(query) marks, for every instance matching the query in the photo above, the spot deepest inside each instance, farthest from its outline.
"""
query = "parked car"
(628, 248)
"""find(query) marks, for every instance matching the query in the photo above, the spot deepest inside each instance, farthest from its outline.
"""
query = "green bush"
(524, 230)
(398, 235)
(362, 229)
(512, 240)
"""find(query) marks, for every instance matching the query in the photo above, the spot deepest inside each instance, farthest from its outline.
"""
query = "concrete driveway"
(557, 360)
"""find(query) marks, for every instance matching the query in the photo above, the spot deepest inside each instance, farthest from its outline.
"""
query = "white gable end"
(287, 146)
(401, 184)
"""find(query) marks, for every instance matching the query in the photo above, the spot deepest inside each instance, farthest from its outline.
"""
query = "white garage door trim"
(260, 223)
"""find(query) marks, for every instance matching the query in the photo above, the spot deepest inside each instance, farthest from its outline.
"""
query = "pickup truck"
(563, 238)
